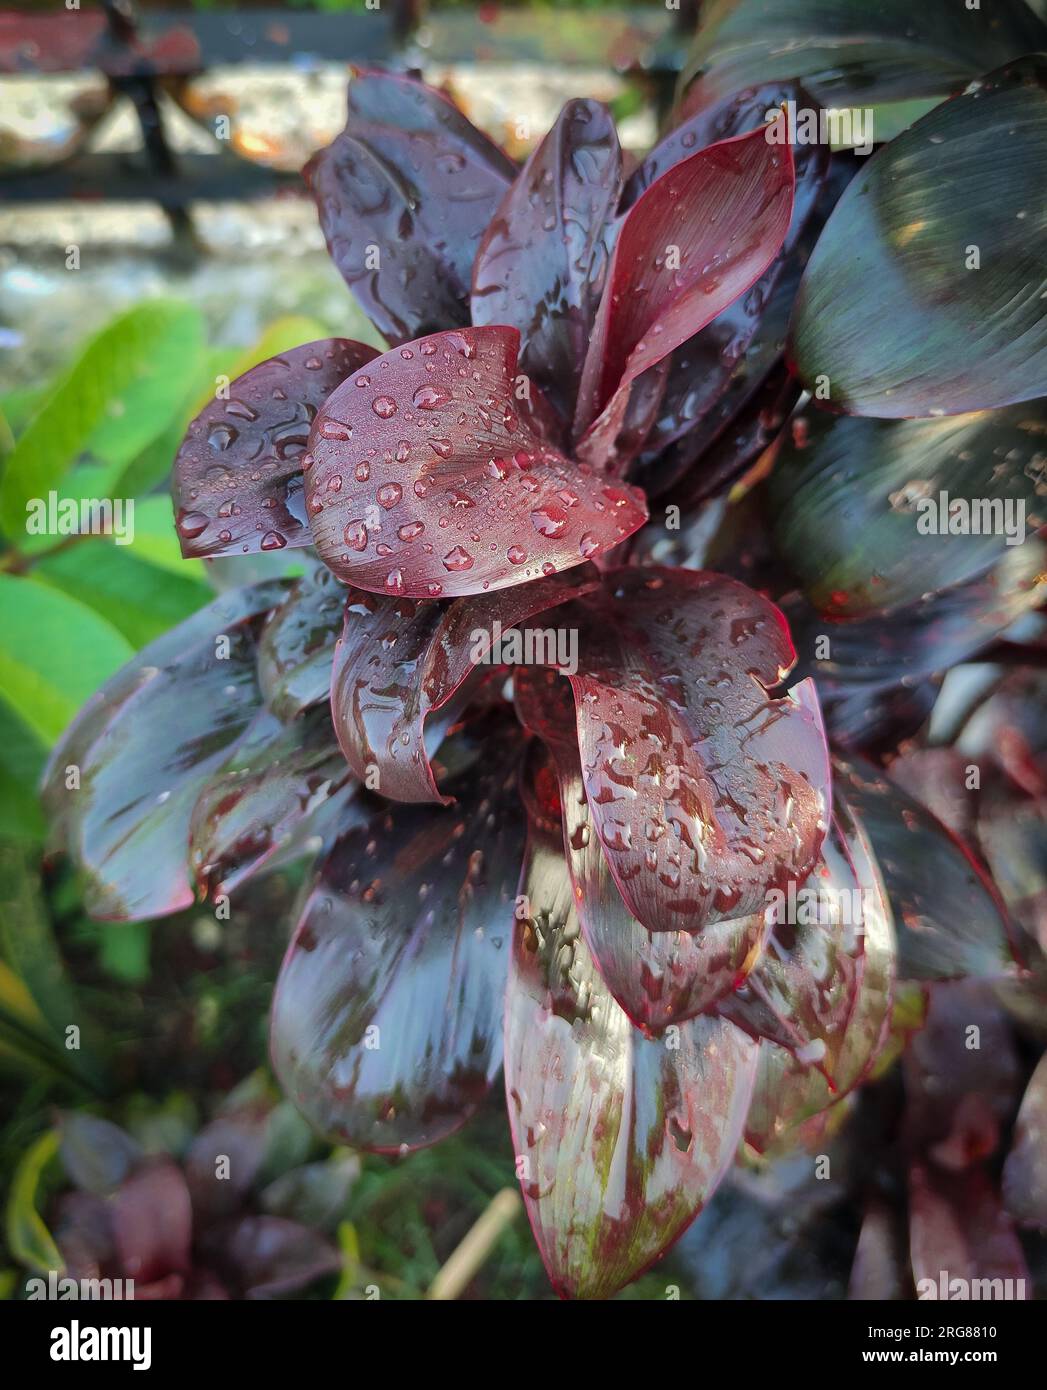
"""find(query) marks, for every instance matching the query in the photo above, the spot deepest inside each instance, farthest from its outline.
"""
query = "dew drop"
(389, 494)
(458, 559)
(384, 407)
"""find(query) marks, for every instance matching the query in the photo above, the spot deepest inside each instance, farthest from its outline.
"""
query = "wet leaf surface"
(430, 480)
(296, 646)
(620, 1140)
(892, 312)
(541, 263)
(386, 1023)
(411, 178)
(237, 480)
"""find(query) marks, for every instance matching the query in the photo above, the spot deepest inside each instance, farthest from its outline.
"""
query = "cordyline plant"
(627, 875)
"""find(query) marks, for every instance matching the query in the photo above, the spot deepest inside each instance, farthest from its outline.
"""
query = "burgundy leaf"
(961, 1076)
(270, 1257)
(399, 660)
(658, 978)
(152, 1222)
(1025, 1172)
(541, 263)
(951, 922)
(386, 1024)
(620, 1140)
(275, 779)
(296, 646)
(127, 812)
(83, 1230)
(958, 1231)
(430, 480)
(237, 480)
(695, 240)
(404, 195)
(705, 790)
(238, 1138)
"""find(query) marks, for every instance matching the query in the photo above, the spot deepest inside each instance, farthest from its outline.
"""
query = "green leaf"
(124, 951)
(54, 653)
(28, 1238)
(858, 52)
(137, 598)
(118, 395)
(156, 542)
(22, 758)
(924, 294)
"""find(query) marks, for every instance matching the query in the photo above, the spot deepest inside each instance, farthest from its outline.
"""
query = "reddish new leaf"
(152, 1223)
(689, 246)
(429, 478)
(237, 480)
(541, 263)
(961, 1241)
(386, 1024)
(404, 194)
(706, 790)
(620, 1140)
(399, 660)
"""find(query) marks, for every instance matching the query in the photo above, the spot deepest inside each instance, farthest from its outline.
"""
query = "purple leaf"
(1025, 1172)
(239, 1138)
(705, 790)
(620, 1140)
(386, 1024)
(296, 647)
(404, 195)
(399, 660)
(237, 480)
(541, 263)
(270, 1257)
(141, 766)
(658, 978)
(696, 240)
(275, 779)
(96, 1154)
(429, 479)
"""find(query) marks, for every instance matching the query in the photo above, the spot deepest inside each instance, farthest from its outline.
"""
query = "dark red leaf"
(541, 263)
(400, 660)
(274, 781)
(705, 790)
(237, 480)
(959, 1231)
(658, 978)
(238, 1137)
(961, 1076)
(127, 773)
(619, 1139)
(152, 1222)
(1025, 1172)
(430, 480)
(386, 1024)
(725, 210)
(404, 194)
(270, 1257)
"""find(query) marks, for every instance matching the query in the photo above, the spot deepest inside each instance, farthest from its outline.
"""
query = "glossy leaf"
(399, 660)
(897, 252)
(705, 790)
(275, 780)
(541, 263)
(237, 482)
(949, 917)
(695, 240)
(386, 1024)
(125, 815)
(658, 978)
(1025, 1171)
(430, 480)
(620, 1139)
(852, 51)
(854, 502)
(411, 179)
(296, 647)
